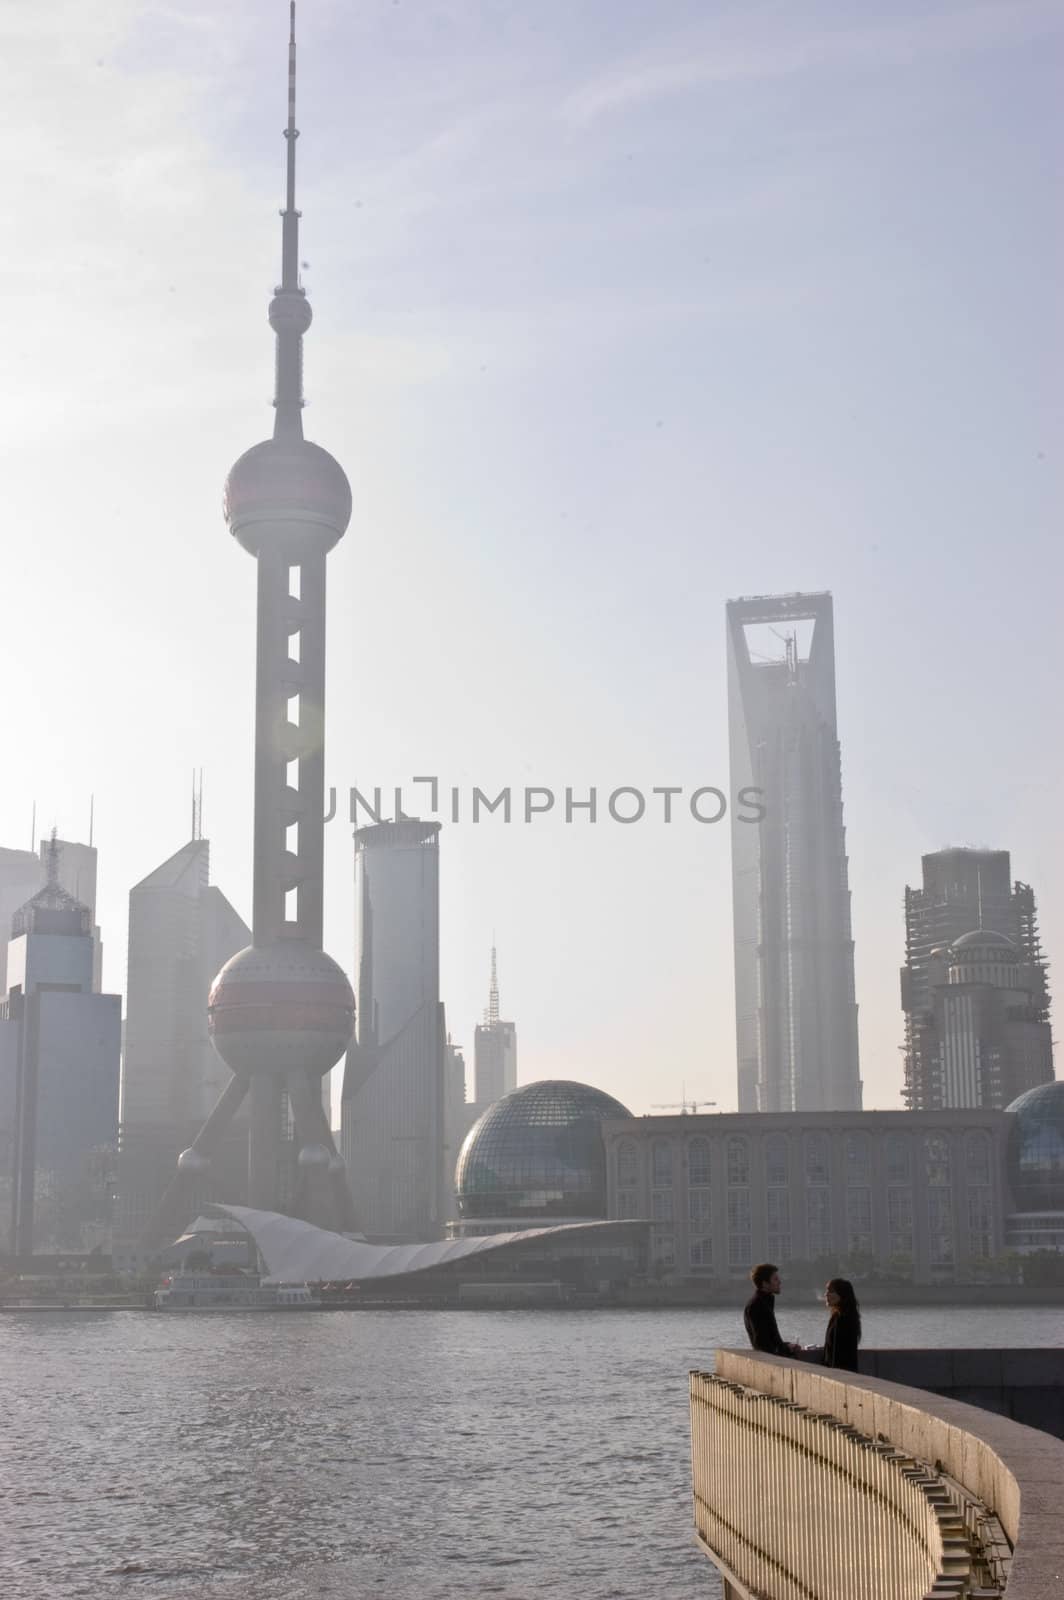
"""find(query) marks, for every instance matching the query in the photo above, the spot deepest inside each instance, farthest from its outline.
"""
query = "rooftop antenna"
(979, 892)
(51, 858)
(290, 314)
(290, 228)
(33, 829)
(92, 812)
(197, 803)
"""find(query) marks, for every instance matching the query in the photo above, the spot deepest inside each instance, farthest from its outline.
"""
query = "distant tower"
(974, 988)
(59, 1045)
(22, 873)
(494, 1049)
(796, 1014)
(491, 1016)
(393, 1110)
(181, 930)
(281, 1012)
(77, 875)
(459, 1114)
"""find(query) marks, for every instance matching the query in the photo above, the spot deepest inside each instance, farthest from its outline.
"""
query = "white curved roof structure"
(297, 1252)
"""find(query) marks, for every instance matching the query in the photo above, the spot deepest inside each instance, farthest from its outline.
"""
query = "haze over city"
(660, 583)
(622, 313)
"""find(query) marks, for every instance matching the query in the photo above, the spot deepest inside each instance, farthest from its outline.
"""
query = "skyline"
(481, 414)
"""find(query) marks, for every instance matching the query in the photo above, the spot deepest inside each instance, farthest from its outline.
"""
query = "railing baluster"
(799, 1505)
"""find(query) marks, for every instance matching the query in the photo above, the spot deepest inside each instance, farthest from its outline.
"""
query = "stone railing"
(810, 1486)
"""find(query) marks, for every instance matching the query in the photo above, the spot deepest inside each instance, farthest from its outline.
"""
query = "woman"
(844, 1325)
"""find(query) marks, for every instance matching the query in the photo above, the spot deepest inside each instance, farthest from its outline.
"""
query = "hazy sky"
(620, 310)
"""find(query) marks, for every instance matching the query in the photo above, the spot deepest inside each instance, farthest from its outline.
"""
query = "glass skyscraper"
(393, 1096)
(796, 1014)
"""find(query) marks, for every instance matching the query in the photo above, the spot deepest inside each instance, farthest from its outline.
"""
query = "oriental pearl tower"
(281, 1013)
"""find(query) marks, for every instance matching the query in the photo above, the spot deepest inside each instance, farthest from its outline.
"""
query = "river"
(421, 1455)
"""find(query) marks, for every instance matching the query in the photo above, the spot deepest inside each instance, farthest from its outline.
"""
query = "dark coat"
(841, 1340)
(760, 1319)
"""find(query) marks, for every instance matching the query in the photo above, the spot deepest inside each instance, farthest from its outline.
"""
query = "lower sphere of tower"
(279, 1009)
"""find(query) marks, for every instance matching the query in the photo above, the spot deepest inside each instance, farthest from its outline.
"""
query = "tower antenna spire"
(51, 859)
(290, 313)
(290, 228)
(492, 1015)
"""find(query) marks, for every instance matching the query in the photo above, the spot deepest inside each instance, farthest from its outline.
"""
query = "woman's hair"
(847, 1305)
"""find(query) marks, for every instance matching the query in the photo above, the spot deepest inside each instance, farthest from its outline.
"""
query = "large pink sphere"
(283, 1008)
(288, 494)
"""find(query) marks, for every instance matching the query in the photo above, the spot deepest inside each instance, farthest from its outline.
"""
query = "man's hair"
(759, 1276)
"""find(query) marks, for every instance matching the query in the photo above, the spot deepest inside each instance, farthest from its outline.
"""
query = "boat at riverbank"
(234, 1291)
(54, 1303)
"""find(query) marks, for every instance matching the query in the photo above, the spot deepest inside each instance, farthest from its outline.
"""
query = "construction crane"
(684, 1107)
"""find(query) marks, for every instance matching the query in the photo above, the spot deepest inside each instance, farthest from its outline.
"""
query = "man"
(760, 1313)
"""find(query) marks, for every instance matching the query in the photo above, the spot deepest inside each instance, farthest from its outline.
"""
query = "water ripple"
(357, 1455)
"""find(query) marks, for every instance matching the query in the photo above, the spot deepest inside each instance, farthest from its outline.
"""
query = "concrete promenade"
(1026, 1385)
(815, 1486)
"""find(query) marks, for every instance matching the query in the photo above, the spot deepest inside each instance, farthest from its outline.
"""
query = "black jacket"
(841, 1340)
(761, 1329)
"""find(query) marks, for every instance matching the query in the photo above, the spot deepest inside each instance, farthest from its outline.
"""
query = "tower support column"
(264, 1143)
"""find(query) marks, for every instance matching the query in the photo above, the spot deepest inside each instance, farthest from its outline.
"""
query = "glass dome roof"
(1036, 1149)
(538, 1152)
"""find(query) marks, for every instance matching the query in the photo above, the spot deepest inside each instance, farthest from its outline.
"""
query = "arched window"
(738, 1160)
(661, 1164)
(977, 1157)
(858, 1158)
(817, 1158)
(698, 1163)
(899, 1158)
(777, 1165)
(627, 1164)
(936, 1158)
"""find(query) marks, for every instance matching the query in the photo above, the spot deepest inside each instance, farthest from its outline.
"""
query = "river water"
(430, 1455)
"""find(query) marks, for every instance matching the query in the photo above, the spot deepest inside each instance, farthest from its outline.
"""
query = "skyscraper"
(22, 873)
(459, 1115)
(181, 931)
(796, 1014)
(974, 987)
(494, 1050)
(60, 1044)
(280, 1012)
(393, 1096)
(77, 875)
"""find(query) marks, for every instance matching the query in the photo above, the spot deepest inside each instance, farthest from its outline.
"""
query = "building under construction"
(974, 988)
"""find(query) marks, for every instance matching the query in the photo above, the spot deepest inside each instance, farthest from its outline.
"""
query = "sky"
(620, 311)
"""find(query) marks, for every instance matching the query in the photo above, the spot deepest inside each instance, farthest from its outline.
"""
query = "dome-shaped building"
(984, 956)
(536, 1158)
(1036, 1168)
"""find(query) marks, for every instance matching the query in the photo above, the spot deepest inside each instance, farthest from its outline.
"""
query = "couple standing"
(844, 1319)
